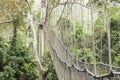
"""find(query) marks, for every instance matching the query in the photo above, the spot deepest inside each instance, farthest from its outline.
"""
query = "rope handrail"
(65, 59)
(86, 71)
(107, 65)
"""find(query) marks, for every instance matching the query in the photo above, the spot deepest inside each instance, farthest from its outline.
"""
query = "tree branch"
(8, 21)
(69, 2)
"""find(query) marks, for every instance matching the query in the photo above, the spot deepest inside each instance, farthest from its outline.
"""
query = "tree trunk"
(41, 35)
(41, 28)
(43, 72)
(41, 42)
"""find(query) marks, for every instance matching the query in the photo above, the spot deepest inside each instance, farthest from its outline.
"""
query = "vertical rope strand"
(93, 38)
(101, 47)
(83, 36)
(108, 33)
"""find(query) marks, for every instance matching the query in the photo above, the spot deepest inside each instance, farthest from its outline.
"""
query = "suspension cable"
(107, 24)
(83, 36)
(93, 37)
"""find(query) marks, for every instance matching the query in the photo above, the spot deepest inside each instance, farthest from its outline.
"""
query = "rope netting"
(65, 59)
(72, 41)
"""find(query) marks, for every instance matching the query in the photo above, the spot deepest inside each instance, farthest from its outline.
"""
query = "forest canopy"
(89, 29)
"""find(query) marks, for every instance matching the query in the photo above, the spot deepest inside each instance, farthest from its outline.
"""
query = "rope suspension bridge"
(60, 26)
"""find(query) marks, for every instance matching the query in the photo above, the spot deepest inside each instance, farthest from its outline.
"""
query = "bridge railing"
(64, 56)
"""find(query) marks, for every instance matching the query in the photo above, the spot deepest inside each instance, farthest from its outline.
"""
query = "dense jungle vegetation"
(17, 60)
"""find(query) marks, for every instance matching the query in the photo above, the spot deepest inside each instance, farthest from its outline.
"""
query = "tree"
(43, 72)
(17, 61)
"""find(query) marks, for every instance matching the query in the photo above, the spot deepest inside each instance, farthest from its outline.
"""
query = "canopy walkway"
(67, 66)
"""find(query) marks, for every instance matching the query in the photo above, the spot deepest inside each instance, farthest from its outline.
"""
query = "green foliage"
(117, 1)
(117, 60)
(78, 33)
(17, 62)
(115, 35)
(54, 2)
(66, 30)
(47, 63)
